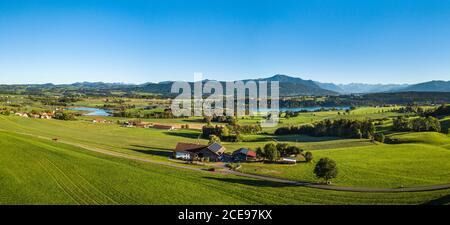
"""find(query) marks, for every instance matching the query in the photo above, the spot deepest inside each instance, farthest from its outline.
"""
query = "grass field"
(361, 113)
(380, 165)
(361, 162)
(34, 171)
(151, 142)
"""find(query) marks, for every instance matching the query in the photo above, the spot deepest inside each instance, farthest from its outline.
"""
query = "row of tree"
(166, 114)
(223, 133)
(443, 110)
(418, 124)
(220, 119)
(61, 115)
(339, 128)
(273, 152)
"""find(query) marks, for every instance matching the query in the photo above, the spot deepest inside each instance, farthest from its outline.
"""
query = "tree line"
(339, 128)
(274, 151)
(418, 124)
(222, 132)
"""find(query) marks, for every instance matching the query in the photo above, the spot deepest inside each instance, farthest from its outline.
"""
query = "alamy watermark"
(238, 98)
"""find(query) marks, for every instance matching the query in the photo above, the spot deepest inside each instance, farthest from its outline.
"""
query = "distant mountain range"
(293, 86)
(354, 88)
(297, 86)
(434, 86)
(289, 86)
(309, 87)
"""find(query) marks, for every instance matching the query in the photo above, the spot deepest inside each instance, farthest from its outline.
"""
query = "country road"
(253, 176)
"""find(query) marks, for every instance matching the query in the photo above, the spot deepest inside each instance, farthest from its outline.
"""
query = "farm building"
(244, 154)
(288, 161)
(190, 151)
(99, 120)
(163, 127)
(127, 124)
(45, 116)
(21, 114)
(184, 155)
(144, 124)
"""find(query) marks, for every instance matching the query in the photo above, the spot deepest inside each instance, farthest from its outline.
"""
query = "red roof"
(245, 151)
(251, 153)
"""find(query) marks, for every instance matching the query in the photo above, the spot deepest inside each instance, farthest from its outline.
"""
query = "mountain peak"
(285, 78)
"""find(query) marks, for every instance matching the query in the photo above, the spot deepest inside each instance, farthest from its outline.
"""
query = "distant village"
(44, 115)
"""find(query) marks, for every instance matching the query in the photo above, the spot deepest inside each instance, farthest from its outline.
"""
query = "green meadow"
(361, 163)
(423, 160)
(71, 174)
(35, 171)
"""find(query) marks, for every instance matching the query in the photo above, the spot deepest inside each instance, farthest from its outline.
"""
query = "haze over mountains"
(298, 86)
(289, 86)
(294, 86)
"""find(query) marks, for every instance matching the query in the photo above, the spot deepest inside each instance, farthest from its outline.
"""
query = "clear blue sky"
(342, 41)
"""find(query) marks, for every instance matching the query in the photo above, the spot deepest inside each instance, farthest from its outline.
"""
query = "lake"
(92, 111)
(314, 108)
(309, 109)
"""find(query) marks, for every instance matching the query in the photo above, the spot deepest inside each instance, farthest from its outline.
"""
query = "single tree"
(293, 150)
(270, 152)
(326, 169)
(308, 156)
(260, 153)
(282, 148)
(213, 139)
(379, 137)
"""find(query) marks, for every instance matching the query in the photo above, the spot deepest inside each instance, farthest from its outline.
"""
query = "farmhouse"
(21, 114)
(99, 120)
(127, 124)
(144, 124)
(45, 116)
(244, 154)
(163, 127)
(188, 151)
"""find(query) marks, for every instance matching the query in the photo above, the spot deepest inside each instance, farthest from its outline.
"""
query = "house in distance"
(244, 154)
(188, 151)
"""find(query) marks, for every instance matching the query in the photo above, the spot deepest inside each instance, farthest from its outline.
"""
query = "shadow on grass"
(250, 182)
(444, 200)
(445, 126)
(151, 150)
(196, 120)
(184, 135)
(292, 138)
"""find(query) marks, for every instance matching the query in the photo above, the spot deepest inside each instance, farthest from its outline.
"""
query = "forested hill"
(289, 86)
(432, 86)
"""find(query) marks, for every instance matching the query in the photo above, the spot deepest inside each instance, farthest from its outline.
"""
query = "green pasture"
(422, 160)
(34, 171)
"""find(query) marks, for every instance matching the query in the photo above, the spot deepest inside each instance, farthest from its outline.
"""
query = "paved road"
(253, 176)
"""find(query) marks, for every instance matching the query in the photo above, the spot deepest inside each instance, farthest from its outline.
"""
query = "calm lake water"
(92, 111)
(102, 112)
(309, 109)
(315, 108)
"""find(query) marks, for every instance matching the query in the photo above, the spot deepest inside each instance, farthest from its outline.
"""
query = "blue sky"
(341, 41)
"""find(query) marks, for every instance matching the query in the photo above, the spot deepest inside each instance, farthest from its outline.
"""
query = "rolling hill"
(289, 86)
(354, 88)
(292, 86)
(431, 86)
